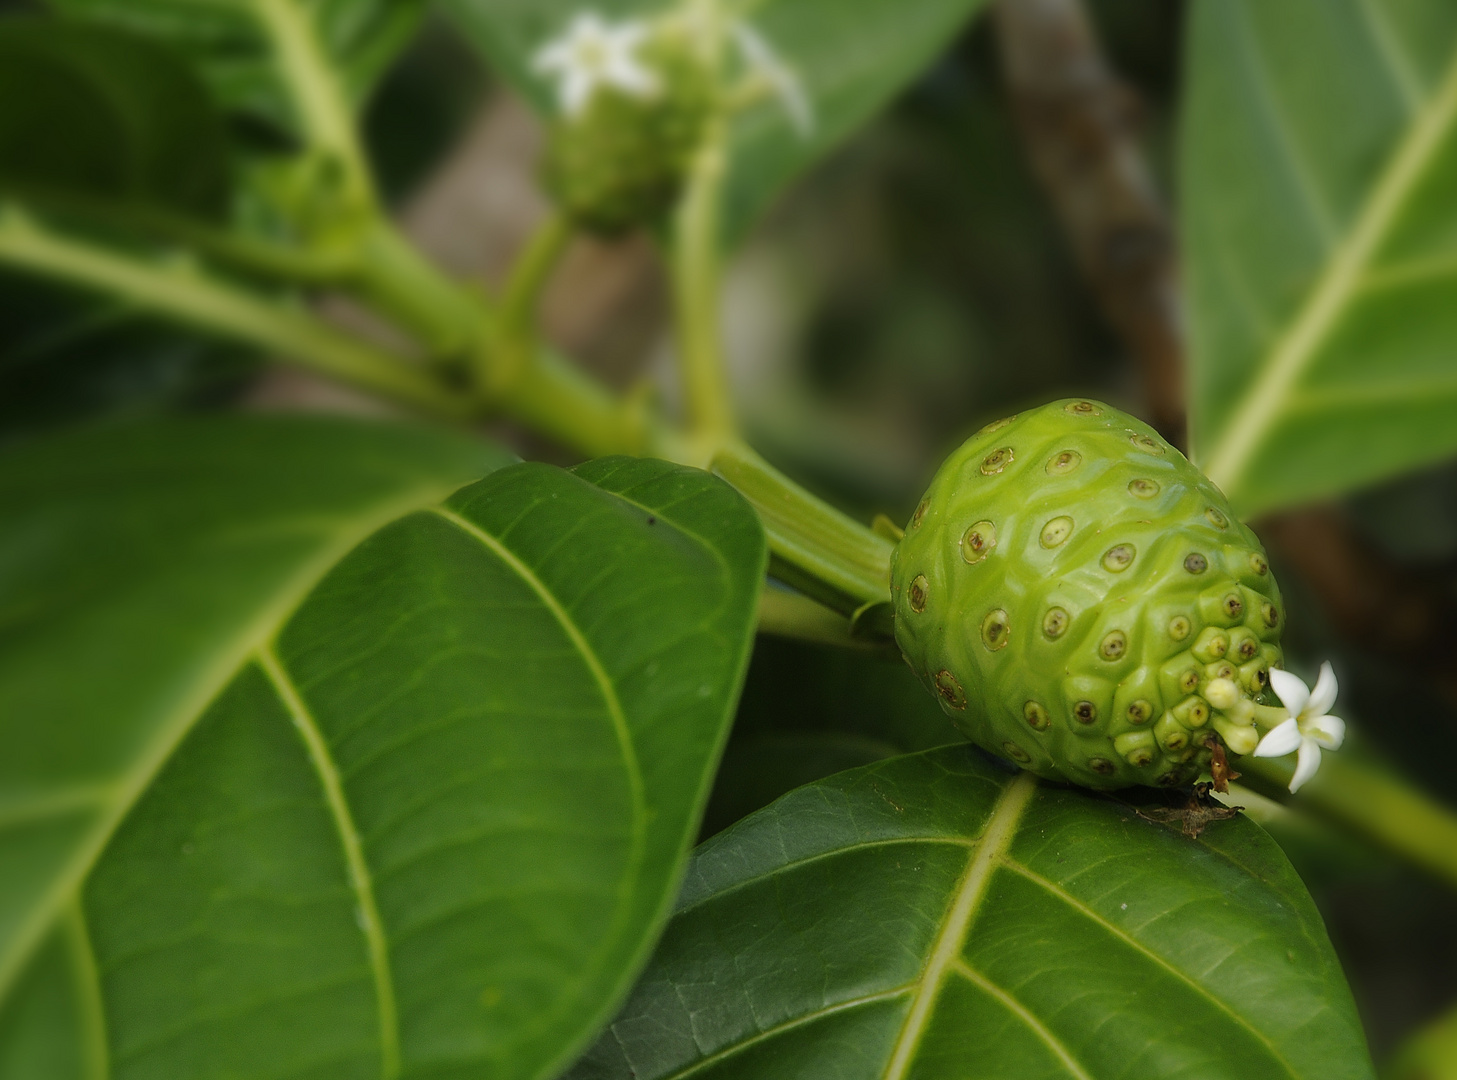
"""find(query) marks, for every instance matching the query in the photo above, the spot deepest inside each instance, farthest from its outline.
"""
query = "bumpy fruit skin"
(1070, 585)
(621, 164)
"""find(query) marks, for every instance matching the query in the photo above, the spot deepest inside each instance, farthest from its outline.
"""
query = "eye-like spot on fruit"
(1189, 681)
(1114, 645)
(978, 541)
(1064, 462)
(1085, 712)
(1248, 649)
(997, 425)
(1168, 779)
(1118, 558)
(996, 461)
(1147, 442)
(1222, 670)
(920, 513)
(1196, 563)
(1143, 489)
(1083, 408)
(1102, 766)
(1211, 644)
(1179, 627)
(1233, 606)
(1035, 715)
(1139, 712)
(1015, 752)
(1217, 518)
(1271, 614)
(1258, 563)
(919, 591)
(994, 630)
(950, 690)
(1055, 622)
(1056, 532)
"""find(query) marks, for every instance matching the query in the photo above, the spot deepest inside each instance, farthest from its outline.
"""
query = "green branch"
(696, 286)
(182, 291)
(323, 109)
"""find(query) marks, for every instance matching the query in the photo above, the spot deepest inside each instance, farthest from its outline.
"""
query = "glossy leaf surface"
(934, 917)
(225, 39)
(321, 772)
(851, 57)
(1319, 157)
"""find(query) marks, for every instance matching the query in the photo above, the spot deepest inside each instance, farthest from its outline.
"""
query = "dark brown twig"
(1079, 123)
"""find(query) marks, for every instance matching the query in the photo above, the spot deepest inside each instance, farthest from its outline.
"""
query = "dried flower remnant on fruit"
(1086, 626)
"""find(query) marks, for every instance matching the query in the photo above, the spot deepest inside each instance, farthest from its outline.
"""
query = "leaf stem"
(323, 110)
(783, 613)
(1380, 807)
(182, 291)
(696, 276)
(807, 532)
(522, 295)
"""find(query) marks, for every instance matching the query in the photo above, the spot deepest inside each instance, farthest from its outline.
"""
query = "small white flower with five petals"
(1310, 726)
(593, 54)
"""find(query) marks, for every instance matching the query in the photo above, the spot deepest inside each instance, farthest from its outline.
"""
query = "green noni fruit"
(1076, 592)
(622, 162)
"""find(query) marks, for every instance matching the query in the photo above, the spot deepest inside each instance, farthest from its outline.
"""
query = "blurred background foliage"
(914, 286)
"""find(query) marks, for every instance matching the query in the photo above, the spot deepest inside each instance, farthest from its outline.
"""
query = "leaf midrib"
(1249, 423)
(360, 878)
(229, 660)
(996, 838)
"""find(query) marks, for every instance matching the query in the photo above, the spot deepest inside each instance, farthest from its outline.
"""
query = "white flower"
(1310, 726)
(594, 53)
(765, 64)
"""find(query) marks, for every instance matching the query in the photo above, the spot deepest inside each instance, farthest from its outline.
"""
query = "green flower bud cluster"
(621, 161)
(1083, 602)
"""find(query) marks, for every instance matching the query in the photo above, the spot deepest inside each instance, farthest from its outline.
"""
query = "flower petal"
(1292, 690)
(1306, 764)
(1324, 694)
(575, 91)
(1281, 740)
(1329, 731)
(627, 74)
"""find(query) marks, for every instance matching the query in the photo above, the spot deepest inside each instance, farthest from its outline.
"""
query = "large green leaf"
(934, 917)
(1319, 158)
(852, 56)
(226, 40)
(311, 773)
(103, 114)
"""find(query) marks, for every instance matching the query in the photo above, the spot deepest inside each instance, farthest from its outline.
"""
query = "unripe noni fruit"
(1071, 586)
(622, 162)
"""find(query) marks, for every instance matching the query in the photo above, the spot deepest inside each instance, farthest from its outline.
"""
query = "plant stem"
(323, 110)
(522, 297)
(807, 532)
(1373, 804)
(182, 291)
(696, 275)
(794, 615)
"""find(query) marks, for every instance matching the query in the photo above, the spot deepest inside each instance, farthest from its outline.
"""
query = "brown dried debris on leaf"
(1195, 817)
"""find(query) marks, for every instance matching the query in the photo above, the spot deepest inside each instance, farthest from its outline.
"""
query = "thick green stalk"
(1373, 804)
(696, 274)
(181, 291)
(807, 532)
(789, 614)
(323, 109)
